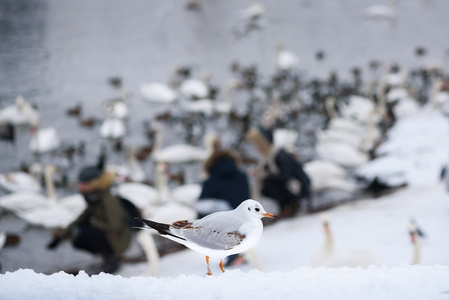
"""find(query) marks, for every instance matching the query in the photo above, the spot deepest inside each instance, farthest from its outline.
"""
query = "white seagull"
(220, 234)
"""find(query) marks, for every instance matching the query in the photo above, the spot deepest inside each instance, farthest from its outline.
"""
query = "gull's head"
(255, 209)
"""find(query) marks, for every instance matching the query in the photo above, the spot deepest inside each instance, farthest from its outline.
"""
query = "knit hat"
(267, 134)
(90, 173)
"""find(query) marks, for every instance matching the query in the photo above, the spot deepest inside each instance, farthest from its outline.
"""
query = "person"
(279, 174)
(103, 227)
(225, 188)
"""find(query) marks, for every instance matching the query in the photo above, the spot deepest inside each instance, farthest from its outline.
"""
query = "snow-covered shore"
(403, 282)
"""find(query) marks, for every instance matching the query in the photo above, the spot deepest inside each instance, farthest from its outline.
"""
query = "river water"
(57, 53)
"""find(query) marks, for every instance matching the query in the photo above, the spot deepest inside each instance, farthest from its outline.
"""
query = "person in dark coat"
(226, 186)
(103, 228)
(280, 175)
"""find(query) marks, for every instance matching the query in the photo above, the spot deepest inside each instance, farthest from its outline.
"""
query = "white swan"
(43, 139)
(158, 93)
(328, 175)
(416, 257)
(47, 211)
(194, 89)
(136, 172)
(285, 138)
(358, 108)
(344, 124)
(341, 153)
(23, 200)
(118, 108)
(187, 194)
(328, 257)
(112, 128)
(253, 12)
(162, 209)
(141, 195)
(181, 153)
(19, 181)
(340, 136)
(382, 11)
(285, 60)
(21, 113)
(210, 106)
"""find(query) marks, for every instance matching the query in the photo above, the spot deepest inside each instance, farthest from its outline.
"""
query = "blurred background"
(71, 59)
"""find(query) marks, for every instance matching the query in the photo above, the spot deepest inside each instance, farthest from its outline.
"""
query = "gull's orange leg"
(208, 266)
(221, 266)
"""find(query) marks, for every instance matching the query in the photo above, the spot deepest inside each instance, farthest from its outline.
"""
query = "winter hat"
(92, 172)
(267, 134)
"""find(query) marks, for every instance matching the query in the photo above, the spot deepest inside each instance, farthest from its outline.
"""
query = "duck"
(88, 122)
(75, 110)
(7, 132)
(326, 256)
(43, 139)
(20, 113)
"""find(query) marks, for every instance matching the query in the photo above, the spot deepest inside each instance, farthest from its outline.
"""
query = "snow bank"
(403, 282)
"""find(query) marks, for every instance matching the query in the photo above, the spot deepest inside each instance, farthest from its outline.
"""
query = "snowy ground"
(406, 282)
(286, 250)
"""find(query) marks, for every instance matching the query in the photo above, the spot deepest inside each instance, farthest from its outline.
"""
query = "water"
(57, 53)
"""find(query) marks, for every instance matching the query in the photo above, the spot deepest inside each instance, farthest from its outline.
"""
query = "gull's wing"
(219, 232)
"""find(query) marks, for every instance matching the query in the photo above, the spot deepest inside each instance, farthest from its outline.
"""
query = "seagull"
(217, 235)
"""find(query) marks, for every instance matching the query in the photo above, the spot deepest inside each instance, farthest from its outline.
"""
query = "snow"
(405, 282)
(287, 247)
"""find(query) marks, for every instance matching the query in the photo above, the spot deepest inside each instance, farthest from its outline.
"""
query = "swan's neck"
(228, 92)
(329, 243)
(279, 49)
(436, 86)
(49, 184)
(161, 182)
(416, 252)
(381, 106)
(330, 107)
(158, 137)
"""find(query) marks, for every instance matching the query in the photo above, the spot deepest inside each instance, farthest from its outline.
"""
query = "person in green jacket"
(103, 228)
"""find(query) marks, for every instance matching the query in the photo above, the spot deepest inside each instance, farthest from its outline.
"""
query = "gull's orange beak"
(268, 215)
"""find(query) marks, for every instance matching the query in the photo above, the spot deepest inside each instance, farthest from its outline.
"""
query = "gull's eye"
(257, 209)
(249, 208)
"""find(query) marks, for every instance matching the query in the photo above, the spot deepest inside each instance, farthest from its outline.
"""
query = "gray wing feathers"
(205, 232)
(212, 238)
